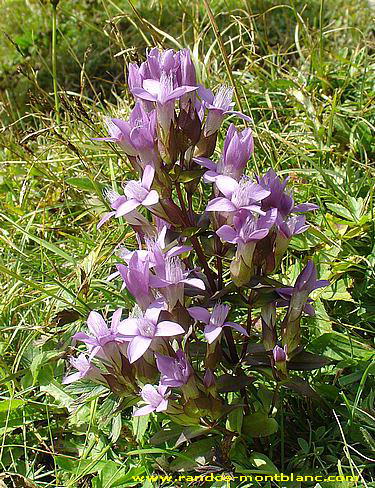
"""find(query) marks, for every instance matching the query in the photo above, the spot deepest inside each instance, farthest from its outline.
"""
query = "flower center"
(219, 314)
(173, 270)
(146, 327)
(241, 196)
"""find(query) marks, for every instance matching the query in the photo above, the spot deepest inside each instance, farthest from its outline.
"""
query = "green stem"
(54, 62)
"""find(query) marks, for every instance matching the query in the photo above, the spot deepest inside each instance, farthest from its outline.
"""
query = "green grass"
(304, 71)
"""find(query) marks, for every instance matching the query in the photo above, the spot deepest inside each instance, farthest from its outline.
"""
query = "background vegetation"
(305, 73)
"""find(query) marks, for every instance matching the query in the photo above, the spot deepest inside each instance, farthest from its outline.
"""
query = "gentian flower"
(242, 195)
(136, 137)
(279, 354)
(164, 95)
(297, 296)
(101, 335)
(136, 277)
(86, 370)
(218, 106)
(139, 193)
(238, 147)
(171, 278)
(156, 399)
(214, 321)
(175, 372)
(133, 218)
(142, 331)
(278, 198)
(247, 230)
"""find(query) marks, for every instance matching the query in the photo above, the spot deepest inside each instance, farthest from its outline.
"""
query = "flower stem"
(54, 61)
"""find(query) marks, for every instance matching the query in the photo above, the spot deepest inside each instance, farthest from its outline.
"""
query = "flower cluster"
(169, 350)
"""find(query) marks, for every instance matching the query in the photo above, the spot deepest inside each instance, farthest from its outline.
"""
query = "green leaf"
(340, 346)
(338, 290)
(140, 425)
(9, 405)
(341, 211)
(259, 425)
(82, 184)
(303, 445)
(262, 462)
(235, 416)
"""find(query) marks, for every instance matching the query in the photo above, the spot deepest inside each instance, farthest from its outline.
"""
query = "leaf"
(301, 386)
(340, 210)
(259, 425)
(116, 427)
(191, 175)
(11, 404)
(199, 453)
(303, 445)
(262, 462)
(41, 360)
(339, 346)
(338, 290)
(139, 425)
(82, 184)
(227, 383)
(307, 361)
(235, 416)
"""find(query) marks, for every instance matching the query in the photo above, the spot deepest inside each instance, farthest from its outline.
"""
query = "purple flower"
(248, 229)
(85, 371)
(218, 106)
(297, 296)
(101, 335)
(136, 277)
(133, 218)
(209, 379)
(278, 198)
(136, 137)
(242, 195)
(141, 331)
(238, 147)
(293, 226)
(186, 73)
(171, 278)
(156, 399)
(163, 93)
(214, 321)
(279, 354)
(139, 193)
(175, 371)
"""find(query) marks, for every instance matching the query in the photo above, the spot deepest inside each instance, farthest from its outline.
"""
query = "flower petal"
(207, 163)
(211, 333)
(227, 233)
(163, 405)
(148, 176)
(137, 347)
(220, 205)
(151, 199)
(237, 327)
(127, 207)
(199, 313)
(196, 282)
(143, 410)
(96, 324)
(143, 94)
(226, 185)
(128, 327)
(168, 329)
(104, 219)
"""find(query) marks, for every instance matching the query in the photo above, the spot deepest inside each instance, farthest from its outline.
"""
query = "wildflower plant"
(211, 238)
